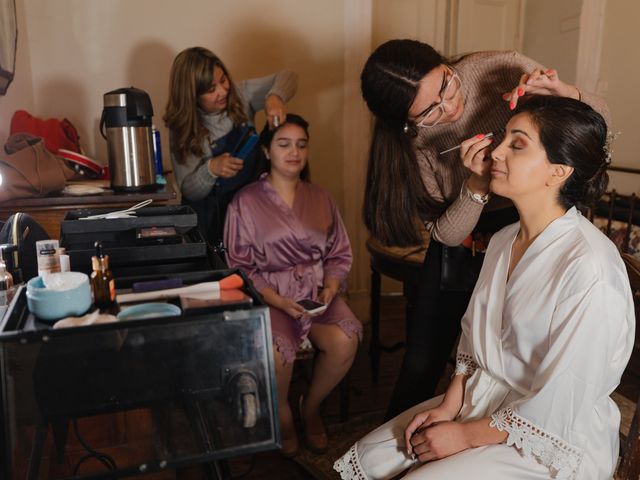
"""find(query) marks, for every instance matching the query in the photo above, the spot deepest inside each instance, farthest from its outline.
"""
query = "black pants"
(433, 323)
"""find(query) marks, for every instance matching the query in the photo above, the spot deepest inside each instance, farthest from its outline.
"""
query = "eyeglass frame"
(440, 105)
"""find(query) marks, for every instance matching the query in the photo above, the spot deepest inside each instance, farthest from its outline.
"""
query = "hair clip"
(410, 129)
(608, 151)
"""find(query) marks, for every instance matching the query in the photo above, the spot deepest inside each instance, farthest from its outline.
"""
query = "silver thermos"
(127, 117)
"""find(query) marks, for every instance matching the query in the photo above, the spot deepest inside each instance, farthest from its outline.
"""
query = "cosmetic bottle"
(102, 283)
(47, 254)
(65, 265)
(6, 285)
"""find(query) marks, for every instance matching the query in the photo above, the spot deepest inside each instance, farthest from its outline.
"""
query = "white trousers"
(381, 455)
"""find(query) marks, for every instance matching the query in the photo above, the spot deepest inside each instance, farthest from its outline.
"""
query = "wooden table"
(50, 210)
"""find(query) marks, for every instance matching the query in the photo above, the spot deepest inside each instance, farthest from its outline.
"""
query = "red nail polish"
(512, 106)
(520, 92)
(480, 136)
(549, 72)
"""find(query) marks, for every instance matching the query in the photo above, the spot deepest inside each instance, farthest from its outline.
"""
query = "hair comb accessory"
(410, 129)
(611, 136)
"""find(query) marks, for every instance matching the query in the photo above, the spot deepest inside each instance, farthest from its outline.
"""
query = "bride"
(546, 336)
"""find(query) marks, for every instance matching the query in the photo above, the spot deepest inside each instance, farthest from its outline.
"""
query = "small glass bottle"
(6, 285)
(65, 266)
(102, 283)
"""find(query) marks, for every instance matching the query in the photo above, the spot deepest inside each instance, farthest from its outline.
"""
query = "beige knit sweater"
(485, 77)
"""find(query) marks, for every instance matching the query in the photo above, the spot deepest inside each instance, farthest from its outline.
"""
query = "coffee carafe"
(127, 116)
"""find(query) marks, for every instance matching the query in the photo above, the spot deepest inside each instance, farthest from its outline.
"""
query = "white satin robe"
(544, 350)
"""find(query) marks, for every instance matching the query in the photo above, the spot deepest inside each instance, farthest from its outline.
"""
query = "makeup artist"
(208, 115)
(425, 104)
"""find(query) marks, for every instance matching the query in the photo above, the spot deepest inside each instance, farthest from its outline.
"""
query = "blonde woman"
(208, 115)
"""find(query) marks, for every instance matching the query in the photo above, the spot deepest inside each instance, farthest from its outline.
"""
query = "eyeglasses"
(432, 115)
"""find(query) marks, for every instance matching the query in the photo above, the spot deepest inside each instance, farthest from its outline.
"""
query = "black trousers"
(433, 323)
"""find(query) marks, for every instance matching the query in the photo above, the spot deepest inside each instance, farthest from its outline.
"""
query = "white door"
(424, 20)
(478, 25)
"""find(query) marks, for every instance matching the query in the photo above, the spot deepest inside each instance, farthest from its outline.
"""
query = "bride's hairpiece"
(608, 151)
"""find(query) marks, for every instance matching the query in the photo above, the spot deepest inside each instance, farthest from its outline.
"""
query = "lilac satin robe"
(292, 251)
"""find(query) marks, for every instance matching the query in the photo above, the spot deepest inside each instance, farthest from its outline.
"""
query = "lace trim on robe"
(465, 365)
(349, 467)
(559, 456)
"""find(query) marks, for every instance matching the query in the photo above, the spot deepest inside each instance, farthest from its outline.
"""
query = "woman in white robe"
(547, 334)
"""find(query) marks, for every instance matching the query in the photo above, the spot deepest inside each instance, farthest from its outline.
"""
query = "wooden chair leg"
(344, 398)
(629, 468)
(374, 343)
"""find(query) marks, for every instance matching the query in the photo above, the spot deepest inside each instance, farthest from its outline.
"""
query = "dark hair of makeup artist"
(395, 200)
(574, 134)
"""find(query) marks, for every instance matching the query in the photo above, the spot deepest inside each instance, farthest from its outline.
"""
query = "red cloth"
(56, 133)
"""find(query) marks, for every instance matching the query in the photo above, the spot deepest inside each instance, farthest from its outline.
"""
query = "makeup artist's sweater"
(193, 176)
(485, 77)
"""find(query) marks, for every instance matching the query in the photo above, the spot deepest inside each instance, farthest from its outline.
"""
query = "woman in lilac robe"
(287, 235)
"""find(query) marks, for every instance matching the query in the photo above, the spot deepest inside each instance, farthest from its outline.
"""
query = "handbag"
(28, 169)
(23, 231)
(460, 268)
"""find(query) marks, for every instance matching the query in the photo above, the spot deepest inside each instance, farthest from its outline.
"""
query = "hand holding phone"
(312, 307)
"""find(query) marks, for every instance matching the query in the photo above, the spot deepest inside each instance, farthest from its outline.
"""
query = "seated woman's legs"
(336, 351)
(284, 351)
(284, 371)
(381, 454)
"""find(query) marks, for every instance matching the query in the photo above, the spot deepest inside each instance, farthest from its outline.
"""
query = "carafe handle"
(102, 120)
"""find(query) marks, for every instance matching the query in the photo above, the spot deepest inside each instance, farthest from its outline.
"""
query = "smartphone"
(312, 307)
(244, 147)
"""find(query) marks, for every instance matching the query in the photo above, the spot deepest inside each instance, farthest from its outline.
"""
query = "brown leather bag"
(30, 170)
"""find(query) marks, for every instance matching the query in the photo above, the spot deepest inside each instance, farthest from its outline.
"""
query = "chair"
(629, 466)
(402, 264)
(618, 217)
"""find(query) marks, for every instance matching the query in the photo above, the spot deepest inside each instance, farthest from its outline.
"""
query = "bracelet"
(476, 197)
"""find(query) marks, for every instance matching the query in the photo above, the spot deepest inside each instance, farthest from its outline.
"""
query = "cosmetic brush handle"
(169, 293)
(488, 135)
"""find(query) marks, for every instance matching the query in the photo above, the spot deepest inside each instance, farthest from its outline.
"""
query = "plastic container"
(157, 152)
(53, 304)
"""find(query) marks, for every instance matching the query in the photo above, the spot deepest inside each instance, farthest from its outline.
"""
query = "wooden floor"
(365, 396)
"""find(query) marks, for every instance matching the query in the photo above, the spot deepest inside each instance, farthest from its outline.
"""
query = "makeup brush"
(488, 135)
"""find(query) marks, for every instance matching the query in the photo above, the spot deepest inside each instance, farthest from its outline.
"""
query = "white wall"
(551, 31)
(20, 93)
(81, 49)
(73, 51)
(620, 70)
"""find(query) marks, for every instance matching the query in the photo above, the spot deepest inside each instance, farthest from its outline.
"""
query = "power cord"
(249, 470)
(103, 458)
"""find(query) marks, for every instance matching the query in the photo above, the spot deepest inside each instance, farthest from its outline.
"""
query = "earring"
(405, 129)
